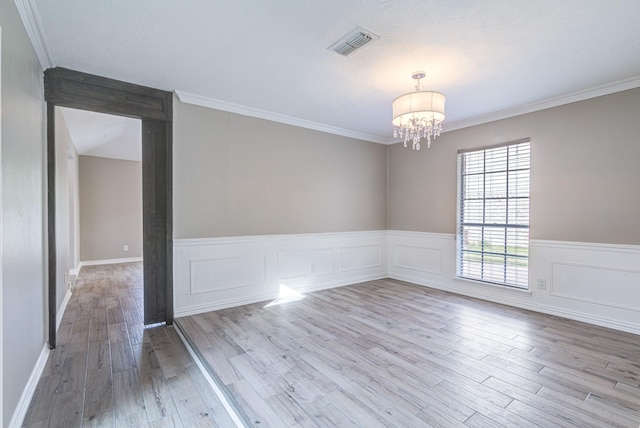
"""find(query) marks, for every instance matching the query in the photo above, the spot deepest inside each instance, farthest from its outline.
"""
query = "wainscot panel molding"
(590, 282)
(216, 273)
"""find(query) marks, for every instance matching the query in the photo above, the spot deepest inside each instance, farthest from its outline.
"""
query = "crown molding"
(28, 11)
(227, 106)
(596, 91)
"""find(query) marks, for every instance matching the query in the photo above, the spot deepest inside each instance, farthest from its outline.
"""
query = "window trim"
(459, 223)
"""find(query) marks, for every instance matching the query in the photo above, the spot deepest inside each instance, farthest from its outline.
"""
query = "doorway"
(68, 88)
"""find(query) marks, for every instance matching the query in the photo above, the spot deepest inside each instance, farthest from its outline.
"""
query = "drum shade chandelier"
(418, 114)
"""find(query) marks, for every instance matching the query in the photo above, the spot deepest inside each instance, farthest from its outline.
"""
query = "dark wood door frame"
(68, 88)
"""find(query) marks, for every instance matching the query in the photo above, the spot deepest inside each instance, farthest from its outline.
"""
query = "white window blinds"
(493, 214)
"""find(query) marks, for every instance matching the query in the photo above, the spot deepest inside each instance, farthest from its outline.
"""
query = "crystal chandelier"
(418, 115)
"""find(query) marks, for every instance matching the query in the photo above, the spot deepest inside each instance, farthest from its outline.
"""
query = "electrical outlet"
(125, 247)
(542, 284)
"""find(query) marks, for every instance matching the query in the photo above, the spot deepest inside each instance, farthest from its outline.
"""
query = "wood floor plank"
(482, 406)
(104, 420)
(388, 353)
(99, 356)
(129, 404)
(254, 407)
(136, 333)
(78, 343)
(172, 421)
(144, 357)
(543, 402)
(67, 409)
(190, 405)
(290, 412)
(381, 353)
(217, 410)
(98, 331)
(172, 359)
(224, 369)
(157, 395)
(40, 407)
(82, 324)
(385, 400)
(118, 333)
(98, 397)
(122, 357)
(73, 373)
(361, 414)
(55, 361)
(93, 378)
(541, 417)
(477, 420)
(329, 417)
(623, 413)
(115, 315)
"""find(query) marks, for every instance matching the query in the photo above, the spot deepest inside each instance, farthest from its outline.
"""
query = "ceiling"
(104, 135)
(491, 58)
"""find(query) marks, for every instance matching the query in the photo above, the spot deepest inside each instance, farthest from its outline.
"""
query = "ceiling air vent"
(355, 40)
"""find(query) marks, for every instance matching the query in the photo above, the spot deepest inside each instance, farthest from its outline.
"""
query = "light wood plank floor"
(388, 353)
(108, 370)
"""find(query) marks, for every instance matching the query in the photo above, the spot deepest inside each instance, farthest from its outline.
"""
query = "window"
(493, 214)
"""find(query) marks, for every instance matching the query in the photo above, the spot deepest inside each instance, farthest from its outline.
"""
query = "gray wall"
(110, 208)
(235, 175)
(584, 172)
(23, 219)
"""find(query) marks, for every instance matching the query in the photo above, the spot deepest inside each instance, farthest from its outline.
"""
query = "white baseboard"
(250, 299)
(29, 389)
(75, 271)
(108, 262)
(62, 308)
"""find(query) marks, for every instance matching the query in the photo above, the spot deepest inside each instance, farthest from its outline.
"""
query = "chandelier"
(418, 115)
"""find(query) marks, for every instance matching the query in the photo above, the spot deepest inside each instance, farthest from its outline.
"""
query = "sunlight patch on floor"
(286, 295)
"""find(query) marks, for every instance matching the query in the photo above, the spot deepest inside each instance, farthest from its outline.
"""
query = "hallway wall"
(23, 209)
(110, 208)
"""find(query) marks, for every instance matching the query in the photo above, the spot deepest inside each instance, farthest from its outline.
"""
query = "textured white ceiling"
(104, 135)
(484, 55)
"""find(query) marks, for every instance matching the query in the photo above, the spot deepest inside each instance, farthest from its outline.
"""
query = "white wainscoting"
(595, 283)
(217, 273)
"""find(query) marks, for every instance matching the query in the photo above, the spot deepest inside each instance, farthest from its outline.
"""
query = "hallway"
(110, 371)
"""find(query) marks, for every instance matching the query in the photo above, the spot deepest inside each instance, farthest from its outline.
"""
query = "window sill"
(506, 288)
